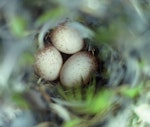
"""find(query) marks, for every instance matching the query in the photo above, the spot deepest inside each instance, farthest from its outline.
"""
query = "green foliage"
(131, 92)
(89, 93)
(19, 100)
(78, 94)
(66, 94)
(72, 123)
(50, 14)
(106, 34)
(27, 58)
(103, 35)
(88, 101)
(18, 26)
(101, 102)
(110, 33)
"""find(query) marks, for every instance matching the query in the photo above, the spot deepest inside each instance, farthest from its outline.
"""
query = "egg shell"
(78, 69)
(48, 63)
(67, 39)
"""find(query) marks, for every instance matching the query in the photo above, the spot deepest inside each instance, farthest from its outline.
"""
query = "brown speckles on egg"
(78, 68)
(48, 63)
(67, 39)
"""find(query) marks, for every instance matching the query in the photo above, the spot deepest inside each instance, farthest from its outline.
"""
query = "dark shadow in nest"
(47, 116)
(116, 67)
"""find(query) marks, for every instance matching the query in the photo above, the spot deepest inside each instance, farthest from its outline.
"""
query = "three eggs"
(77, 69)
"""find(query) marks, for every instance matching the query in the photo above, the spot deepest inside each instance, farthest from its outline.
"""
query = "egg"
(78, 69)
(67, 39)
(48, 63)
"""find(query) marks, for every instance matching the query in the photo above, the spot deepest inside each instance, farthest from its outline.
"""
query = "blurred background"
(120, 30)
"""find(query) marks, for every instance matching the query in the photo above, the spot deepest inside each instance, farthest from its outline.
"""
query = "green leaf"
(78, 93)
(18, 26)
(105, 35)
(90, 91)
(110, 33)
(27, 58)
(100, 102)
(62, 92)
(20, 101)
(72, 123)
(131, 92)
(50, 14)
